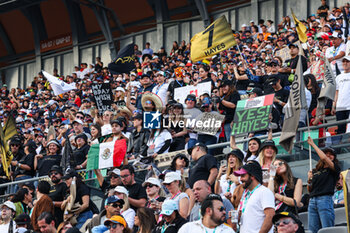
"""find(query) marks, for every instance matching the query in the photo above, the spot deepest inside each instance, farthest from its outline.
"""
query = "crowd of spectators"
(250, 191)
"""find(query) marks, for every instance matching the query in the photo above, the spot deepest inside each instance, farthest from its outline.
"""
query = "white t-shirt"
(253, 216)
(179, 197)
(343, 86)
(161, 91)
(224, 183)
(159, 139)
(5, 227)
(332, 52)
(198, 227)
(106, 129)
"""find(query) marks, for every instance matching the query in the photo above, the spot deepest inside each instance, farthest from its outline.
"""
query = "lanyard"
(158, 88)
(206, 229)
(149, 203)
(229, 186)
(335, 51)
(155, 137)
(281, 190)
(337, 194)
(179, 83)
(245, 197)
(177, 194)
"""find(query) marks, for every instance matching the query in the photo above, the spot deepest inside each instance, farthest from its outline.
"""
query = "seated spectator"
(286, 187)
(127, 212)
(64, 226)
(338, 197)
(158, 143)
(155, 193)
(42, 204)
(172, 182)
(172, 220)
(44, 162)
(287, 222)
(138, 139)
(81, 151)
(23, 223)
(267, 156)
(177, 132)
(145, 220)
(116, 224)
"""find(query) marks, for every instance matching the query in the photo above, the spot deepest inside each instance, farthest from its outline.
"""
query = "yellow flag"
(9, 128)
(301, 29)
(5, 153)
(215, 38)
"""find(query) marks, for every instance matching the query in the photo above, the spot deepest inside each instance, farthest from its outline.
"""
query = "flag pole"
(308, 130)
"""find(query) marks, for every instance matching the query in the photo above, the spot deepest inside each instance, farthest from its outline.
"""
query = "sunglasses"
(150, 185)
(222, 209)
(279, 164)
(114, 225)
(15, 145)
(115, 177)
(106, 115)
(148, 102)
(53, 173)
(284, 221)
(115, 205)
(80, 117)
(190, 99)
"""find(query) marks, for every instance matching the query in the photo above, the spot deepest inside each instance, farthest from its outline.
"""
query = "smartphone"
(223, 163)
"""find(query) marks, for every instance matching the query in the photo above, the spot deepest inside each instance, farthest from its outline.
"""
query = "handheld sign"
(252, 114)
(180, 93)
(215, 38)
(103, 96)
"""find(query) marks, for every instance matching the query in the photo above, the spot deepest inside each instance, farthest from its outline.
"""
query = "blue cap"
(113, 199)
(206, 102)
(168, 207)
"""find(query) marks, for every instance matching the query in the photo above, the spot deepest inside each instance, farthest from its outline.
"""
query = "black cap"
(178, 105)
(256, 90)
(82, 135)
(226, 83)
(253, 168)
(69, 174)
(236, 152)
(329, 150)
(189, 151)
(293, 45)
(192, 97)
(180, 155)
(138, 117)
(272, 80)
(120, 123)
(290, 215)
(30, 185)
(56, 168)
(268, 143)
(22, 219)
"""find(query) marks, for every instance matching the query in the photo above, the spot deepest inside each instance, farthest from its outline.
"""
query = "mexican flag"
(107, 154)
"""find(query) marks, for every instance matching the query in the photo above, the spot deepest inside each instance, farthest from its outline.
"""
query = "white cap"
(115, 171)
(346, 57)
(152, 180)
(120, 89)
(119, 79)
(10, 205)
(268, 47)
(121, 189)
(244, 25)
(52, 102)
(132, 74)
(78, 121)
(171, 177)
(251, 21)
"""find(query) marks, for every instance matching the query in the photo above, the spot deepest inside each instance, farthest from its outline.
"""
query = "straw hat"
(124, 109)
(154, 98)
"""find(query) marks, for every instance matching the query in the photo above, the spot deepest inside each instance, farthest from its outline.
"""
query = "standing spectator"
(267, 156)
(253, 150)
(161, 89)
(341, 106)
(137, 144)
(322, 11)
(25, 166)
(147, 49)
(43, 203)
(177, 132)
(146, 85)
(201, 190)
(8, 211)
(192, 113)
(205, 167)
(321, 184)
(42, 163)
(172, 182)
(137, 194)
(81, 151)
(57, 191)
(336, 53)
(46, 223)
(213, 216)
(145, 220)
(257, 206)
(172, 220)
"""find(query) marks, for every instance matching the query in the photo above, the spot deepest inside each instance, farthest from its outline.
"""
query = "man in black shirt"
(57, 192)
(293, 62)
(322, 11)
(137, 194)
(146, 86)
(281, 95)
(178, 82)
(205, 167)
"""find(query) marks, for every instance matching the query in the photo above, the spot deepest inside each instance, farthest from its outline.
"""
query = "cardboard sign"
(283, 53)
(252, 114)
(103, 96)
(164, 160)
(210, 123)
(181, 93)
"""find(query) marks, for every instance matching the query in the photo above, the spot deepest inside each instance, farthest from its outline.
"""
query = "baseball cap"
(226, 83)
(171, 177)
(78, 121)
(293, 45)
(168, 207)
(336, 35)
(120, 89)
(9, 204)
(152, 180)
(116, 219)
(113, 199)
(22, 219)
(191, 97)
(115, 171)
(160, 73)
(121, 189)
(56, 168)
(206, 102)
(69, 174)
(290, 215)
(256, 90)
(346, 58)
(253, 168)
(52, 102)
(189, 151)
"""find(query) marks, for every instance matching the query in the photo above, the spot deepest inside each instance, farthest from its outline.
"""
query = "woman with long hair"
(313, 87)
(43, 163)
(287, 189)
(267, 155)
(226, 181)
(253, 150)
(178, 133)
(95, 130)
(321, 186)
(228, 103)
(173, 182)
(23, 201)
(81, 151)
(158, 143)
(119, 97)
(155, 193)
(127, 212)
(145, 220)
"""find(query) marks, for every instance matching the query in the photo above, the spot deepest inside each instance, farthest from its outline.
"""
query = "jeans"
(342, 115)
(83, 217)
(191, 143)
(21, 178)
(228, 129)
(321, 213)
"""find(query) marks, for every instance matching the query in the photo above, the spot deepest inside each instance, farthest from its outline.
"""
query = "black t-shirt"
(80, 155)
(265, 81)
(82, 190)
(175, 84)
(281, 95)
(201, 170)
(106, 186)
(242, 84)
(230, 112)
(293, 62)
(324, 181)
(27, 160)
(323, 14)
(57, 193)
(136, 191)
(208, 80)
(46, 163)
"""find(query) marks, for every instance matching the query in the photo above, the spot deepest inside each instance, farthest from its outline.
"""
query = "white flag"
(58, 86)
